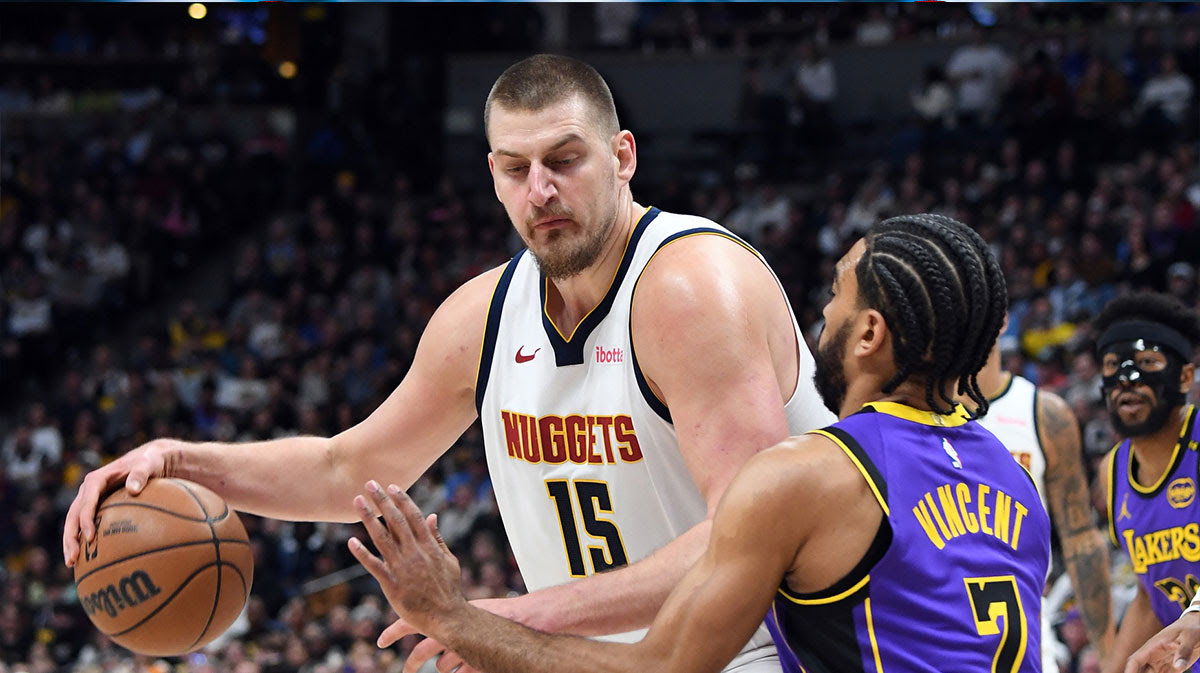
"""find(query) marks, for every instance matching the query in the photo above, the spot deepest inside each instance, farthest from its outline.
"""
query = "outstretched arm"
(703, 624)
(314, 478)
(1084, 550)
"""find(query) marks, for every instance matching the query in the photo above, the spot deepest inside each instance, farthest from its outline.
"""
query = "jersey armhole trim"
(487, 350)
(861, 460)
(652, 399)
(1112, 493)
(1176, 458)
(855, 583)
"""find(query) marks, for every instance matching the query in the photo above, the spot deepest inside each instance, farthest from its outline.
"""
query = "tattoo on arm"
(1084, 551)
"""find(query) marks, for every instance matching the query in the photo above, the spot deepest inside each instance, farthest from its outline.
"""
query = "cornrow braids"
(943, 295)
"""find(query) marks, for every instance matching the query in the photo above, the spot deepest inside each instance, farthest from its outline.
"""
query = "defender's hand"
(1175, 648)
(418, 574)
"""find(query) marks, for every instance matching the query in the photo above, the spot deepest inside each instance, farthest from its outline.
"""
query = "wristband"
(1194, 607)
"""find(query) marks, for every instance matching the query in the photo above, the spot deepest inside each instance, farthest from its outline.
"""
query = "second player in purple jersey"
(956, 505)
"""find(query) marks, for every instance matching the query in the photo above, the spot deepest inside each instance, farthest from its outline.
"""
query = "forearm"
(1138, 626)
(619, 600)
(293, 478)
(1086, 558)
(496, 645)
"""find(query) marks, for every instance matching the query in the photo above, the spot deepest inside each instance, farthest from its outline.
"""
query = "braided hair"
(942, 293)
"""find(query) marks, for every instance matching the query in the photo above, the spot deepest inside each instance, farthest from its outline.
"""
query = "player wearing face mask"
(1146, 348)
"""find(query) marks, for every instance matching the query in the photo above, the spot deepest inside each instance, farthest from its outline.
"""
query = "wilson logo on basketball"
(609, 355)
(126, 593)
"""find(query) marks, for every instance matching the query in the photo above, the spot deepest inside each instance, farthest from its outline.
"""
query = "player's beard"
(829, 375)
(566, 253)
(561, 259)
(1159, 413)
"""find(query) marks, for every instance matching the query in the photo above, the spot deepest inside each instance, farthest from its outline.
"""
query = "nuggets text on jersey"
(572, 438)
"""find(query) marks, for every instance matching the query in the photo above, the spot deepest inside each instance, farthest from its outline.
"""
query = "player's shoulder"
(1054, 414)
(468, 305)
(801, 466)
(684, 234)
(696, 260)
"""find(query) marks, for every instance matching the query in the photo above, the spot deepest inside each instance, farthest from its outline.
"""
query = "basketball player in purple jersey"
(902, 538)
(1146, 348)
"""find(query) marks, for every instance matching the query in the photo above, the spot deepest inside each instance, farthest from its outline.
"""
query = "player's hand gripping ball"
(168, 571)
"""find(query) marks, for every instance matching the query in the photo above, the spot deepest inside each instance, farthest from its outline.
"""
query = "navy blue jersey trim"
(492, 329)
(571, 351)
(652, 399)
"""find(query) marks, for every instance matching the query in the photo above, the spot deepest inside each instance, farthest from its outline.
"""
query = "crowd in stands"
(1079, 167)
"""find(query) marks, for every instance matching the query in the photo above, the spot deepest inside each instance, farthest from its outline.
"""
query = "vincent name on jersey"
(953, 513)
(571, 439)
(1163, 545)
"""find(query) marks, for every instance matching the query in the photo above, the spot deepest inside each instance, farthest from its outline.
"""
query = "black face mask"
(1164, 383)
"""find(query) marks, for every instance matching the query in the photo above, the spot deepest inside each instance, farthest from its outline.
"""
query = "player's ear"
(492, 170)
(872, 332)
(625, 150)
(1187, 377)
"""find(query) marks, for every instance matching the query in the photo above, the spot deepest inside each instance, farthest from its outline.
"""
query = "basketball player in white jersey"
(623, 366)
(1040, 430)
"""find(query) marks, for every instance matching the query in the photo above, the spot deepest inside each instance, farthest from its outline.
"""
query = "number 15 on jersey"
(585, 500)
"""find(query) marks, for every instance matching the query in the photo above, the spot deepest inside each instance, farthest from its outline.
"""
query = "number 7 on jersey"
(593, 499)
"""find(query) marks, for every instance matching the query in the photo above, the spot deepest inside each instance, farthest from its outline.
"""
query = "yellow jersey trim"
(1112, 494)
(871, 634)
(862, 470)
(825, 600)
(954, 419)
(1171, 464)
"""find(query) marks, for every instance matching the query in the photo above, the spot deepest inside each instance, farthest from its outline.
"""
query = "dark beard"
(562, 265)
(1159, 413)
(829, 375)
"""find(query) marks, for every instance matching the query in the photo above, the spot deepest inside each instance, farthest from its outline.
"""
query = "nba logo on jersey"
(952, 453)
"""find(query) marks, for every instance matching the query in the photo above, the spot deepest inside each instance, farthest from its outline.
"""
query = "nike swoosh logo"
(525, 358)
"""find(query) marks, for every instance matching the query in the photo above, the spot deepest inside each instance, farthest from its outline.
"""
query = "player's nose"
(542, 189)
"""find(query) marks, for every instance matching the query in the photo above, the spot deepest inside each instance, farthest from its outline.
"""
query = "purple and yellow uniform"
(954, 577)
(1157, 523)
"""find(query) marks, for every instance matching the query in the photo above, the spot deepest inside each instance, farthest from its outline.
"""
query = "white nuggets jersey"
(583, 456)
(1012, 417)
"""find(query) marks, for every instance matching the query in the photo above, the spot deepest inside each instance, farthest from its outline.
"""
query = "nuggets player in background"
(902, 538)
(1146, 346)
(623, 366)
(1041, 432)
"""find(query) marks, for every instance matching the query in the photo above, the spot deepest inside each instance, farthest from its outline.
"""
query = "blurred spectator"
(1164, 102)
(934, 100)
(981, 71)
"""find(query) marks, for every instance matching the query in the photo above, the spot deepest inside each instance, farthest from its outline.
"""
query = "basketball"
(168, 571)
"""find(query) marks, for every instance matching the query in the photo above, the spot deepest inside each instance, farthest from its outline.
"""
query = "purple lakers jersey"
(1157, 523)
(954, 577)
